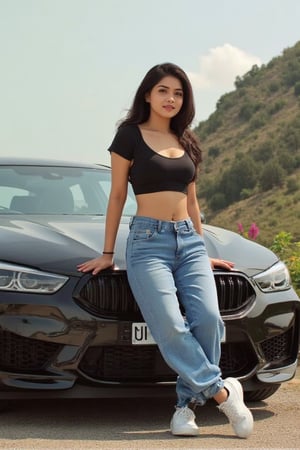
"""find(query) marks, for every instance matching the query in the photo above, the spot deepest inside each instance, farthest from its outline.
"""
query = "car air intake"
(25, 355)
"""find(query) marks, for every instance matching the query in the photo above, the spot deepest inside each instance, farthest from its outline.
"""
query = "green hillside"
(251, 151)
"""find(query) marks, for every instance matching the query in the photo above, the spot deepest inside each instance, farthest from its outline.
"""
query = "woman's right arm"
(118, 193)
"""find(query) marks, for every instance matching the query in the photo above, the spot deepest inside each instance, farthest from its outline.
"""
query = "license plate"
(140, 334)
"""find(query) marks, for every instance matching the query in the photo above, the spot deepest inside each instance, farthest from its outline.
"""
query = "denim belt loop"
(159, 226)
(131, 220)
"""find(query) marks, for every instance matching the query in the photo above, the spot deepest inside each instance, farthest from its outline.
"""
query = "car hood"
(59, 243)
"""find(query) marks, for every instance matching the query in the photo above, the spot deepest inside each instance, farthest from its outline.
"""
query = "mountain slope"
(251, 151)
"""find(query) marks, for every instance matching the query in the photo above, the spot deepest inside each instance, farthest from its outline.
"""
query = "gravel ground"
(143, 424)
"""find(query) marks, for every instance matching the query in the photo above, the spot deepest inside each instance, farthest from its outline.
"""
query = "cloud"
(220, 67)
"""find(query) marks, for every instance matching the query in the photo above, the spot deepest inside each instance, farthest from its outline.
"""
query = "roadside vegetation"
(289, 251)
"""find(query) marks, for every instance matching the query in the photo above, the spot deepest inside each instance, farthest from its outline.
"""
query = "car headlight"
(276, 278)
(23, 279)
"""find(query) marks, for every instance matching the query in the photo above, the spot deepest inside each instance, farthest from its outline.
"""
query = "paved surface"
(137, 424)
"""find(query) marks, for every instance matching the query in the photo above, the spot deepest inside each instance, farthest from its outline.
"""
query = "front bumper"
(50, 346)
(277, 375)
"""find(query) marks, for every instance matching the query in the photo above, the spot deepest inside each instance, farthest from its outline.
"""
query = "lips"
(169, 108)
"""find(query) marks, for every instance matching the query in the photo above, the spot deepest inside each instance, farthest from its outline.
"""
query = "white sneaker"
(235, 409)
(183, 422)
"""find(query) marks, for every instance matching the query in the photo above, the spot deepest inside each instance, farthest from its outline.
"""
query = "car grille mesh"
(126, 364)
(145, 364)
(278, 348)
(21, 354)
(109, 295)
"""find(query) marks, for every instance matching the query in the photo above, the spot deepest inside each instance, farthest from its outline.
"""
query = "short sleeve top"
(150, 171)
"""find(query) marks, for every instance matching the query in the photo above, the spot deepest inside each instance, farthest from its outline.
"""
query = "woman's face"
(166, 97)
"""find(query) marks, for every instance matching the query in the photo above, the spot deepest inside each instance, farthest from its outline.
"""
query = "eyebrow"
(168, 87)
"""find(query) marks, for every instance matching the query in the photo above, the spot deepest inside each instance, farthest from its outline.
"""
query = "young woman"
(156, 151)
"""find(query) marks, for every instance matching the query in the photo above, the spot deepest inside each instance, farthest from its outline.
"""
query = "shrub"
(273, 86)
(276, 106)
(289, 251)
(292, 185)
(272, 175)
(286, 161)
(213, 152)
(217, 201)
(264, 151)
(213, 123)
(248, 109)
(273, 222)
(245, 193)
(291, 136)
(258, 121)
(226, 101)
(291, 74)
(297, 89)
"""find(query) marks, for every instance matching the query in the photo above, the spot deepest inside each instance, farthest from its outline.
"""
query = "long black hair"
(140, 109)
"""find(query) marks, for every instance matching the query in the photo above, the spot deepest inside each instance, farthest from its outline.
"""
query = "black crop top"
(151, 172)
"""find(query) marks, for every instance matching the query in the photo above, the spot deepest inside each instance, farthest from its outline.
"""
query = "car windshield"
(57, 190)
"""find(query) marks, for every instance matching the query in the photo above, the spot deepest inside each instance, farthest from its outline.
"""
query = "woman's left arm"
(194, 213)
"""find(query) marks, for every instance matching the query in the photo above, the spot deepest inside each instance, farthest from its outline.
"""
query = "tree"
(272, 175)
(287, 161)
(241, 175)
(292, 73)
(248, 108)
(217, 201)
(264, 151)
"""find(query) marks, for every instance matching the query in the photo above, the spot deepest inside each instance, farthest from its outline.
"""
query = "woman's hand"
(215, 262)
(96, 265)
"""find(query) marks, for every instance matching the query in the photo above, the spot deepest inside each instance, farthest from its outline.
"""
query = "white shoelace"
(186, 412)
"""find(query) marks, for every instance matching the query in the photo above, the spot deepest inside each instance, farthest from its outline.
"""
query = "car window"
(57, 190)
(80, 203)
(7, 193)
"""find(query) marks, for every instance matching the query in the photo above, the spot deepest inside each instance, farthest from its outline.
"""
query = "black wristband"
(108, 253)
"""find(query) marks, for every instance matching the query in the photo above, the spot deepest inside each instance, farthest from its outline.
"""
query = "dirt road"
(138, 424)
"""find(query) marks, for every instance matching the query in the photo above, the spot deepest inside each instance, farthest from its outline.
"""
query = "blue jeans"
(167, 261)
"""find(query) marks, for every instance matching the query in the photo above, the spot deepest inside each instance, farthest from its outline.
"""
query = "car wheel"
(260, 394)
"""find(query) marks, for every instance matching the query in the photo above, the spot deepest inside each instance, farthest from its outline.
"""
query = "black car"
(68, 334)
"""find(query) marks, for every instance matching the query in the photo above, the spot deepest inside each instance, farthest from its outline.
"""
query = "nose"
(171, 99)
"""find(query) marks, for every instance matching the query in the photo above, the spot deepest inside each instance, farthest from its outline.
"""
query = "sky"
(70, 68)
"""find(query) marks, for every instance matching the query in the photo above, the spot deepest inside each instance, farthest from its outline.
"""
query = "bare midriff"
(165, 205)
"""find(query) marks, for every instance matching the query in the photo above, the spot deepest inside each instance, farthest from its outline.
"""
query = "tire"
(260, 394)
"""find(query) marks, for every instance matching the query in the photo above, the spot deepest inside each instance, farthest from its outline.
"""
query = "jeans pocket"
(143, 234)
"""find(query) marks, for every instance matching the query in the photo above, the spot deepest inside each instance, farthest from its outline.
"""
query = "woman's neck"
(157, 124)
